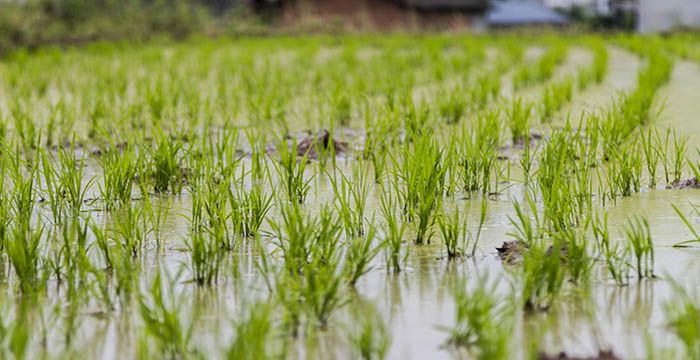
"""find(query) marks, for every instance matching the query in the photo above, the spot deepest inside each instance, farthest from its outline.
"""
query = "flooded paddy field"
(353, 197)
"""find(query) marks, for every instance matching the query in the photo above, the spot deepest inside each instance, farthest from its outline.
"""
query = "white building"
(664, 15)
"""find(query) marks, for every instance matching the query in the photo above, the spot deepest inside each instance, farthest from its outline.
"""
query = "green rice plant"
(351, 199)
(379, 137)
(71, 179)
(482, 323)
(600, 62)
(422, 181)
(255, 206)
(485, 90)
(624, 170)
(453, 229)
(291, 172)
(691, 227)
(518, 120)
(321, 288)
(543, 70)
(51, 191)
(131, 228)
(528, 228)
(254, 334)
(160, 309)
(301, 238)
(119, 171)
(584, 78)
(25, 128)
(639, 239)
(575, 255)
(156, 215)
(542, 275)
(25, 256)
(477, 157)
(679, 156)
(63, 180)
(165, 165)
(683, 320)
(652, 155)
(452, 107)
(359, 254)
(616, 257)
(258, 163)
(554, 97)
(369, 334)
(341, 107)
(394, 228)
(205, 258)
(562, 179)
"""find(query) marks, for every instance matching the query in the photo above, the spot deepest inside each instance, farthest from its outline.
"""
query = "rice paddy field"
(352, 197)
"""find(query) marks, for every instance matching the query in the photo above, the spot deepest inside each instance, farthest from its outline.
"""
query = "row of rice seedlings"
(542, 70)
(595, 74)
(554, 96)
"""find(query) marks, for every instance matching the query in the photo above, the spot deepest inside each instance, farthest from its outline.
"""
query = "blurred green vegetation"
(33, 23)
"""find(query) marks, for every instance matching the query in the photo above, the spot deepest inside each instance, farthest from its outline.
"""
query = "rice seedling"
(421, 187)
(360, 252)
(542, 275)
(482, 323)
(25, 256)
(688, 224)
(554, 97)
(615, 256)
(351, 199)
(477, 157)
(652, 155)
(164, 167)
(131, 229)
(683, 313)
(395, 254)
(453, 229)
(518, 120)
(420, 116)
(160, 311)
(542, 70)
(452, 106)
(119, 171)
(254, 334)
(291, 172)
(370, 337)
(639, 239)
(255, 205)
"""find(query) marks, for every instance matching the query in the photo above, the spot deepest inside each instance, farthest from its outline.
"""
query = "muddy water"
(416, 302)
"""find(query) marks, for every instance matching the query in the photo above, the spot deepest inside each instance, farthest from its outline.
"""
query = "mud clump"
(512, 251)
(691, 183)
(602, 355)
(320, 143)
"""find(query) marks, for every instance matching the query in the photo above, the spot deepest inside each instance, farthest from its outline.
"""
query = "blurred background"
(33, 23)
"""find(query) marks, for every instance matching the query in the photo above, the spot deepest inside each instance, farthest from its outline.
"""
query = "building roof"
(523, 12)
